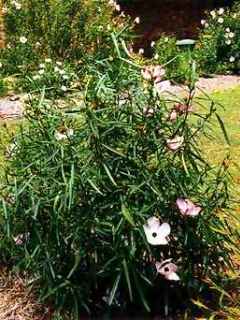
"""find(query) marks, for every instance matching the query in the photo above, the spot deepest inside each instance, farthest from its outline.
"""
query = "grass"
(216, 149)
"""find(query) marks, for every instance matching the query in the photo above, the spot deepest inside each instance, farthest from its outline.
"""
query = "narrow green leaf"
(114, 289)
(222, 126)
(125, 268)
(127, 215)
(109, 174)
(94, 186)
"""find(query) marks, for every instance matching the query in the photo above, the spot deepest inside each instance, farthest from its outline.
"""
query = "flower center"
(166, 269)
(154, 234)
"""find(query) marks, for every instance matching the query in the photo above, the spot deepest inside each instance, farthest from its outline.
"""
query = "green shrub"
(219, 43)
(81, 190)
(69, 29)
(55, 77)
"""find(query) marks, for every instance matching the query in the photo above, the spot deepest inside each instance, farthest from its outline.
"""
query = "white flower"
(1, 64)
(17, 5)
(63, 135)
(220, 11)
(168, 270)
(4, 9)
(213, 14)
(203, 22)
(41, 71)
(65, 77)
(42, 66)
(117, 7)
(62, 71)
(155, 232)
(56, 69)
(141, 51)
(36, 77)
(206, 25)
(227, 30)
(153, 44)
(23, 39)
(38, 44)
(231, 35)
(48, 60)
(234, 16)
(64, 88)
(137, 20)
(232, 59)
(156, 57)
(228, 42)
(148, 112)
(59, 63)
(220, 20)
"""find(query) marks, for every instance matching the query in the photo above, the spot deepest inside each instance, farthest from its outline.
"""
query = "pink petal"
(182, 205)
(173, 115)
(175, 143)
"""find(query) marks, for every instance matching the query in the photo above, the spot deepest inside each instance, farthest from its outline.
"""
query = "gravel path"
(11, 107)
(209, 85)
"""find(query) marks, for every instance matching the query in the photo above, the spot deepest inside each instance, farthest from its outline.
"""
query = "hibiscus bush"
(116, 208)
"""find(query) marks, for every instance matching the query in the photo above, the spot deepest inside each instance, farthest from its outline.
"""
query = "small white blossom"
(213, 14)
(137, 20)
(220, 11)
(17, 5)
(232, 59)
(117, 7)
(63, 135)
(153, 44)
(231, 35)
(203, 22)
(23, 39)
(36, 77)
(1, 64)
(141, 51)
(220, 20)
(228, 30)
(48, 60)
(42, 66)
(64, 88)
(228, 42)
(156, 56)
(41, 71)
(4, 10)
(59, 63)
